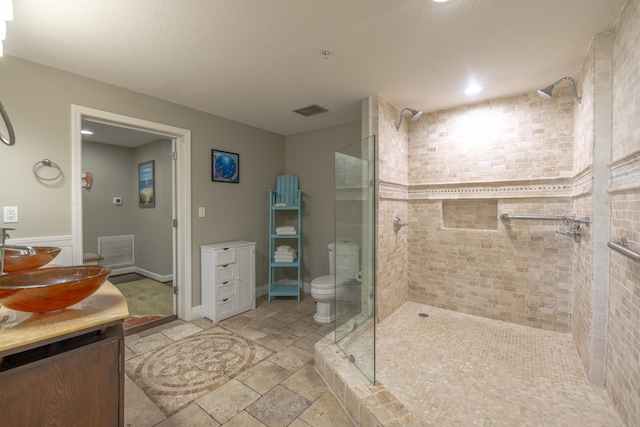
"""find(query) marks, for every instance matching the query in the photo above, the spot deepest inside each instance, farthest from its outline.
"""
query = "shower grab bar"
(566, 218)
(623, 247)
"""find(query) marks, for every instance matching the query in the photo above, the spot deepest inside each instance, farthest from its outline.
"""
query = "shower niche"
(470, 214)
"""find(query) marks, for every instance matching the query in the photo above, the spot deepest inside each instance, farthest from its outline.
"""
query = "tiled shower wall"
(517, 272)
(623, 350)
(591, 182)
(391, 160)
(467, 166)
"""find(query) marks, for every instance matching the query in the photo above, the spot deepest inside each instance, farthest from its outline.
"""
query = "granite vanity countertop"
(19, 329)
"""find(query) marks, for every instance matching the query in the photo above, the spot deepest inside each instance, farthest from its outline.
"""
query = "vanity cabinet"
(77, 381)
(64, 368)
(228, 279)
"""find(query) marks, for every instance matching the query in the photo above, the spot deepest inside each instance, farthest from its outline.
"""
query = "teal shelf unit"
(286, 198)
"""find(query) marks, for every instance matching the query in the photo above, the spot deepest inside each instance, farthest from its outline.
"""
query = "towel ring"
(7, 122)
(48, 163)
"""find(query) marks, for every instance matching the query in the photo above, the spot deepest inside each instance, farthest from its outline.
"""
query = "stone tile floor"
(455, 369)
(282, 390)
(450, 369)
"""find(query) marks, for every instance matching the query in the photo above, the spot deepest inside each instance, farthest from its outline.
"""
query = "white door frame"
(182, 195)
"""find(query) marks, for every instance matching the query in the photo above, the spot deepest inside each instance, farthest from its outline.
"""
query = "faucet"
(398, 224)
(4, 247)
(575, 232)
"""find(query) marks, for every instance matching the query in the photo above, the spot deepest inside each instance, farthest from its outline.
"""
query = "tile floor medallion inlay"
(175, 375)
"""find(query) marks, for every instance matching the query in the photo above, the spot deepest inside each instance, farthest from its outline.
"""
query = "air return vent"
(310, 110)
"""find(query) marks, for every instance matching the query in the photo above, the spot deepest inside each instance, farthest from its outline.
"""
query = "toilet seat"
(324, 281)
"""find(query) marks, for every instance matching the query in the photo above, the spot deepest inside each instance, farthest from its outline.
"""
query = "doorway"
(179, 223)
(127, 216)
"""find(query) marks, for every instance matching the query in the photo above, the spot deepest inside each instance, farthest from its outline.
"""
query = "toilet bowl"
(323, 288)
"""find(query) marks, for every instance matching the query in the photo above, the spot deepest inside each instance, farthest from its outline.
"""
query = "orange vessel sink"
(18, 260)
(50, 289)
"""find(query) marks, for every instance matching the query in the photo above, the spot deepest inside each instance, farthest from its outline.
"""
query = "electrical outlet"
(10, 214)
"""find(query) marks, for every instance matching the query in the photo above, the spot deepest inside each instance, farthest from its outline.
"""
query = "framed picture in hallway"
(225, 166)
(146, 185)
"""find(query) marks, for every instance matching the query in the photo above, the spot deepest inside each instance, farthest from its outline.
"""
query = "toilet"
(323, 288)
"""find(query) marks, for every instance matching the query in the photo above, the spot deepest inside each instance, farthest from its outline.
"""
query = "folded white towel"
(283, 258)
(291, 256)
(281, 205)
(286, 233)
(285, 230)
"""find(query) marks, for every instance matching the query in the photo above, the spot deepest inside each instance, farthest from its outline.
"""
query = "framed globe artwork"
(225, 166)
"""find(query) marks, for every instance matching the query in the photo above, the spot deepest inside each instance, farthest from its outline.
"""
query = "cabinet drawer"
(224, 291)
(225, 256)
(226, 273)
(225, 307)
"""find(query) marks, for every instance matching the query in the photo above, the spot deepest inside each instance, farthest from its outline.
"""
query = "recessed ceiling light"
(472, 89)
(440, 1)
(86, 132)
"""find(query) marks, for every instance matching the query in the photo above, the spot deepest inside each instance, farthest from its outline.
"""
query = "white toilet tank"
(347, 255)
(332, 259)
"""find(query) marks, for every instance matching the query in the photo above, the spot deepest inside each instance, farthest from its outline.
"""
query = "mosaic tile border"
(583, 182)
(625, 173)
(556, 188)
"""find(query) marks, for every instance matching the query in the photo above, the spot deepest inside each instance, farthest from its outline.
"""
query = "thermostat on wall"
(117, 200)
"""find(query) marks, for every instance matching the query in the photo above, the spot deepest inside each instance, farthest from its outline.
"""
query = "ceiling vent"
(310, 110)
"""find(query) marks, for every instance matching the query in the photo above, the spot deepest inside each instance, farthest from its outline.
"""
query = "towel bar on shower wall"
(623, 247)
(566, 218)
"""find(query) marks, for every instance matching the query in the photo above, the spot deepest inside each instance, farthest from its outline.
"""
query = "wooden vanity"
(64, 368)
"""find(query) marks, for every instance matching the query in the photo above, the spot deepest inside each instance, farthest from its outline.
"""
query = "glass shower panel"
(355, 253)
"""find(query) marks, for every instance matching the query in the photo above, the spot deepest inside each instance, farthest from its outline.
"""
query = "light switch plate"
(201, 212)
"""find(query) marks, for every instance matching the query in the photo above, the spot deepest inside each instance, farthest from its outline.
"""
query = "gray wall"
(39, 98)
(310, 155)
(112, 169)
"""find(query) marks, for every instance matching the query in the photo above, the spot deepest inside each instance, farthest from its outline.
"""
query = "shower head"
(415, 115)
(546, 93)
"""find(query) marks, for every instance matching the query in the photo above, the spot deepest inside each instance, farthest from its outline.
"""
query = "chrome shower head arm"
(400, 121)
(574, 90)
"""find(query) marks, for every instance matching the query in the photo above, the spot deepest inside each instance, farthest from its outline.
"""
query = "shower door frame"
(355, 192)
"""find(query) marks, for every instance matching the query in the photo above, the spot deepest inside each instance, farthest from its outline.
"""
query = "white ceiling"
(110, 134)
(254, 61)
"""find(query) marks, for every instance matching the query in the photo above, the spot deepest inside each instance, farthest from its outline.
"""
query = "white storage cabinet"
(228, 278)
